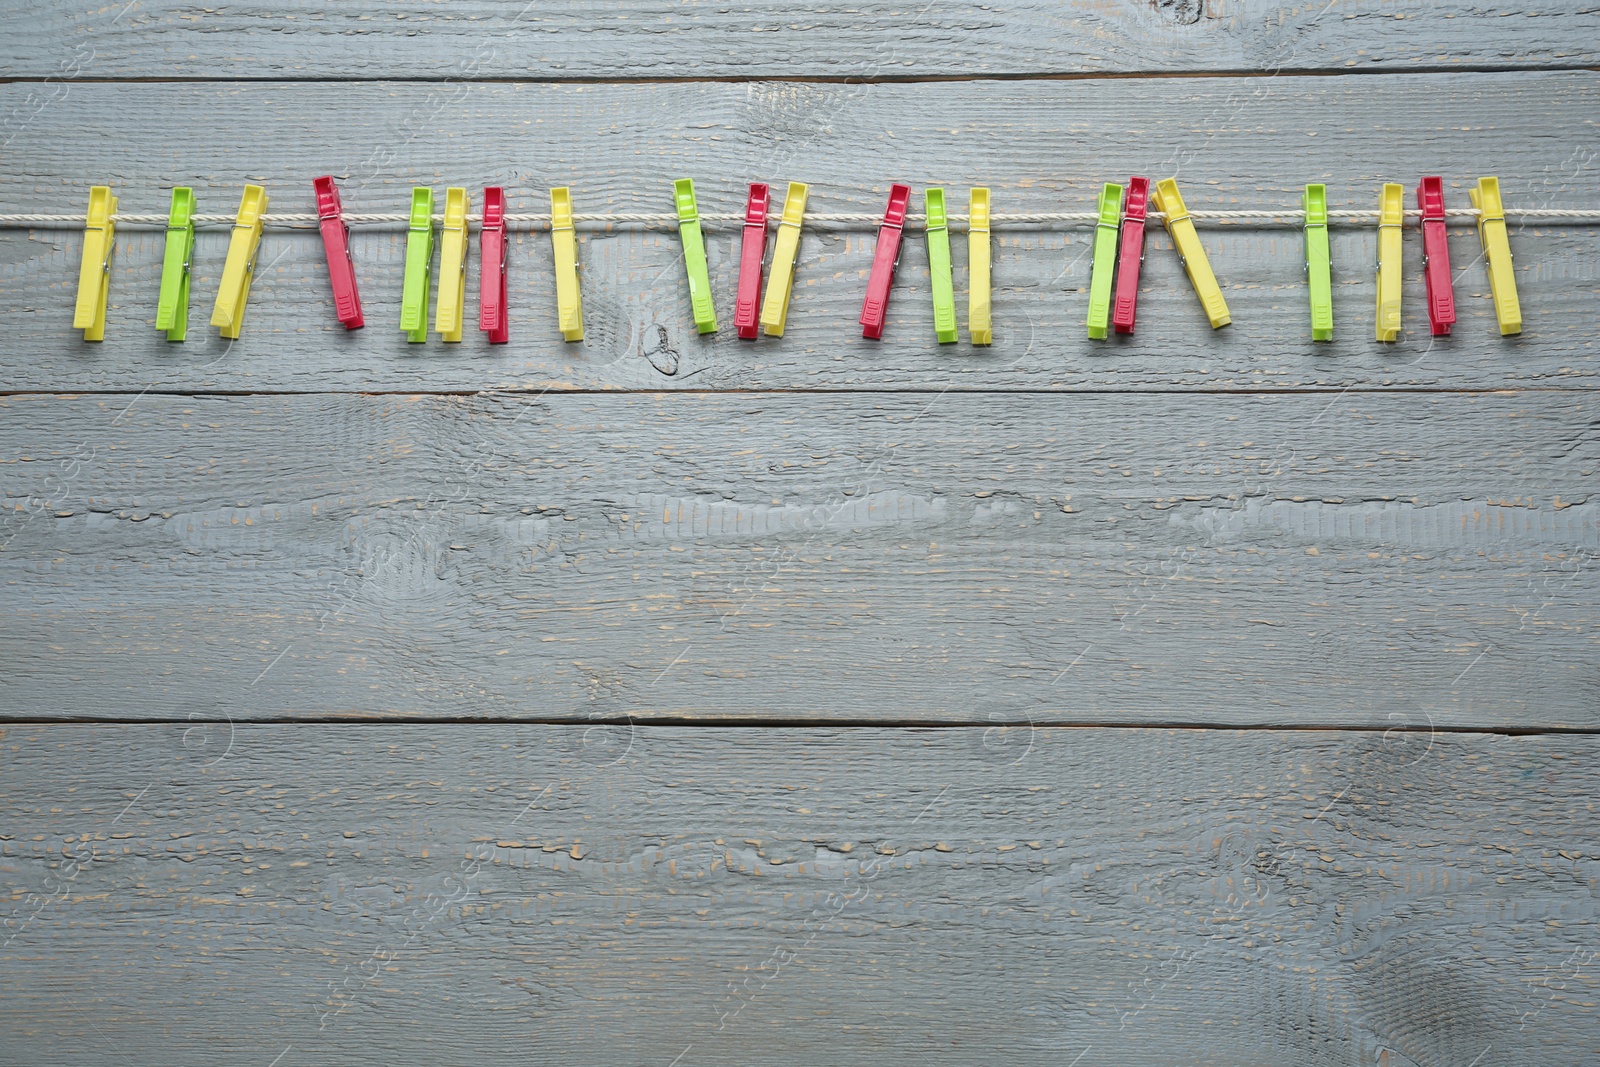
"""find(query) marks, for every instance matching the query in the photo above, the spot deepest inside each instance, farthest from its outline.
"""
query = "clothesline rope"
(542, 222)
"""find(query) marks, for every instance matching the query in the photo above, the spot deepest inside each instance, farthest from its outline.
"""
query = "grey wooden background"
(1197, 698)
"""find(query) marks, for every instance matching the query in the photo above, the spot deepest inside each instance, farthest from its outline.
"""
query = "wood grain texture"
(1013, 558)
(555, 39)
(1042, 146)
(422, 895)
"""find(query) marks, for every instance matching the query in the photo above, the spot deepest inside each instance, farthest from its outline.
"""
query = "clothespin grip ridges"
(94, 274)
(172, 305)
(239, 269)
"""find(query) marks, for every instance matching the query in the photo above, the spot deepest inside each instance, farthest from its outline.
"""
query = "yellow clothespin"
(452, 266)
(1180, 227)
(980, 310)
(1497, 252)
(780, 278)
(240, 267)
(563, 235)
(94, 275)
(1391, 220)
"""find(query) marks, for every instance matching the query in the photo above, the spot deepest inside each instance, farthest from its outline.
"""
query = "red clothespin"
(1126, 299)
(336, 242)
(1436, 257)
(747, 309)
(492, 269)
(876, 306)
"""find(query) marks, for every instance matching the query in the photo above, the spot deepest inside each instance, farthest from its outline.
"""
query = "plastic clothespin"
(172, 307)
(1436, 257)
(747, 308)
(450, 310)
(885, 257)
(944, 292)
(239, 270)
(980, 304)
(564, 241)
(1105, 260)
(1391, 217)
(336, 245)
(1319, 261)
(1497, 254)
(780, 279)
(419, 267)
(1126, 303)
(493, 317)
(1180, 227)
(94, 276)
(694, 256)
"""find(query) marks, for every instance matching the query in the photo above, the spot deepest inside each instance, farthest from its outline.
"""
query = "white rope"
(542, 222)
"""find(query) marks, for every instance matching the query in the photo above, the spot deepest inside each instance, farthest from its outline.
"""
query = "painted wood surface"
(1042, 146)
(1290, 560)
(363, 895)
(568, 39)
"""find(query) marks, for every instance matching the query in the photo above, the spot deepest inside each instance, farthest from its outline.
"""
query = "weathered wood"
(554, 39)
(423, 895)
(1239, 143)
(1291, 560)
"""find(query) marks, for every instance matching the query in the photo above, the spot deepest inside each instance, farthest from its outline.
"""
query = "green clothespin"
(694, 257)
(1319, 266)
(172, 310)
(944, 293)
(419, 267)
(1105, 260)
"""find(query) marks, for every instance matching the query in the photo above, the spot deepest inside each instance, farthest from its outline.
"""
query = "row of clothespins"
(1113, 290)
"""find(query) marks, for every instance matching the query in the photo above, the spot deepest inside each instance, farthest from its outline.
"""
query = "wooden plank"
(1286, 560)
(330, 894)
(1238, 143)
(564, 39)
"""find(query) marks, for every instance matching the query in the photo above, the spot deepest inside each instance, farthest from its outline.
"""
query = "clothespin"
(1105, 259)
(564, 240)
(94, 275)
(747, 309)
(1391, 217)
(885, 258)
(1180, 227)
(694, 256)
(1126, 302)
(452, 301)
(980, 306)
(1497, 254)
(239, 269)
(419, 267)
(1436, 257)
(493, 309)
(1319, 264)
(172, 308)
(780, 280)
(336, 245)
(944, 293)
